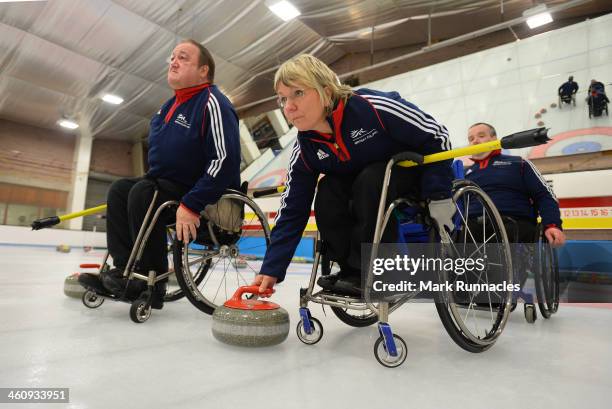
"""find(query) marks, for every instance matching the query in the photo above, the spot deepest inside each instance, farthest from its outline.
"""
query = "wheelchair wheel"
(91, 299)
(174, 291)
(473, 318)
(384, 358)
(139, 312)
(530, 313)
(546, 277)
(210, 269)
(355, 318)
(315, 335)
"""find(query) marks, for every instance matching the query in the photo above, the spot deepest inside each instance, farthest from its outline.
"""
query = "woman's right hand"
(264, 282)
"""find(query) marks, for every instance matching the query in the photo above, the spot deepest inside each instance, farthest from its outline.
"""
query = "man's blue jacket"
(194, 141)
(516, 187)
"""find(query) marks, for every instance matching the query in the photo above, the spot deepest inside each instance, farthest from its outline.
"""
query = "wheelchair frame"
(390, 349)
(140, 310)
(572, 100)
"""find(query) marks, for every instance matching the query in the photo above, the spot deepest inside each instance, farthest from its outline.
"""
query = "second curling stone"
(250, 323)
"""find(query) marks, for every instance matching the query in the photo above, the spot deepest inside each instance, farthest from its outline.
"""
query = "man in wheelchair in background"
(567, 91)
(517, 189)
(194, 156)
(597, 99)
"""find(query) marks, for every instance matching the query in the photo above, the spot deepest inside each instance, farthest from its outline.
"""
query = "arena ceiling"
(58, 57)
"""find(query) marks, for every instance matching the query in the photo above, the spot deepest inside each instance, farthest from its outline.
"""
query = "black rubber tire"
(444, 308)
(547, 278)
(183, 283)
(136, 311)
(87, 300)
(400, 345)
(316, 325)
(353, 320)
(530, 313)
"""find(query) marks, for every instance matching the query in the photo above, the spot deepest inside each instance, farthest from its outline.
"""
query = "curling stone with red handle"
(72, 288)
(251, 323)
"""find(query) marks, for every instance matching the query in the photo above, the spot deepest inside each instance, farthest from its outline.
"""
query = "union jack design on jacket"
(371, 127)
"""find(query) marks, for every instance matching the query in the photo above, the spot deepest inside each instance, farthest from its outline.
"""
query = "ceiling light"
(17, 1)
(65, 123)
(112, 99)
(537, 16)
(283, 9)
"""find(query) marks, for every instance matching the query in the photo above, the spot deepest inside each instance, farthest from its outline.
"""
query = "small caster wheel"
(386, 359)
(139, 311)
(530, 313)
(91, 299)
(316, 332)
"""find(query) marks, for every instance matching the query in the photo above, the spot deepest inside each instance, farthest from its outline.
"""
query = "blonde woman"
(348, 136)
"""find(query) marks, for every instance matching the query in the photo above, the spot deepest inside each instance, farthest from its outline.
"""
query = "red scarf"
(184, 95)
(484, 162)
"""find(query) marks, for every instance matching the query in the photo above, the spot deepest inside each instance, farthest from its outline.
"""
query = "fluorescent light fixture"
(539, 20)
(65, 123)
(537, 16)
(283, 9)
(18, 1)
(112, 99)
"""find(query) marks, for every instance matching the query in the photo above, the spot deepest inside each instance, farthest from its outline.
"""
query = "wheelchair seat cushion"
(226, 214)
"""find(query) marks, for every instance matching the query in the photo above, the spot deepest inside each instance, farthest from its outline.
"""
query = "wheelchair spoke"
(211, 270)
(465, 224)
(220, 285)
(235, 232)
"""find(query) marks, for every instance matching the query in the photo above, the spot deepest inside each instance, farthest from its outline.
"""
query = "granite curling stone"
(250, 323)
(72, 288)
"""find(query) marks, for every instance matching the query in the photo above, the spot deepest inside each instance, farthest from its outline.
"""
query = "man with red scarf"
(194, 156)
(517, 189)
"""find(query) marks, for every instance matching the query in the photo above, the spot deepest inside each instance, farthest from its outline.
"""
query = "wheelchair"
(597, 104)
(469, 327)
(569, 99)
(539, 262)
(233, 233)
(93, 299)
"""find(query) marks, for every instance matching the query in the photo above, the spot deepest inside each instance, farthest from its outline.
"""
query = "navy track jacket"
(194, 141)
(568, 88)
(516, 187)
(371, 127)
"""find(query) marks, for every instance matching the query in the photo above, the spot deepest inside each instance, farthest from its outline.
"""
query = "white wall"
(505, 86)
(582, 184)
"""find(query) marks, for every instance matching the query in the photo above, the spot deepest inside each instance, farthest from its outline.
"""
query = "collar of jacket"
(335, 122)
(484, 162)
(183, 95)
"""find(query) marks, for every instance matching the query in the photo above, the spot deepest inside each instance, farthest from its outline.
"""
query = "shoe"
(349, 285)
(157, 299)
(92, 282)
(327, 282)
(113, 281)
